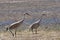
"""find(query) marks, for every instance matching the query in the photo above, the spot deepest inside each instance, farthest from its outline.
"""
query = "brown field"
(26, 35)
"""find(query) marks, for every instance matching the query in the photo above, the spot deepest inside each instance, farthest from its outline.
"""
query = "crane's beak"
(27, 14)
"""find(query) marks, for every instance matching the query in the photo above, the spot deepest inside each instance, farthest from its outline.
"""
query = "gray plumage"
(15, 25)
(36, 24)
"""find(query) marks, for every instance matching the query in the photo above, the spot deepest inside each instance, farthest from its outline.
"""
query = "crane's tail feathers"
(6, 29)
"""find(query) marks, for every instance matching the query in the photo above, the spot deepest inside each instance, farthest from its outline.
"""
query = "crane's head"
(27, 14)
(43, 14)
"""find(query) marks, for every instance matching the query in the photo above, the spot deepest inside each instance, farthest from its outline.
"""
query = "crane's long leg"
(32, 31)
(11, 32)
(15, 32)
(35, 31)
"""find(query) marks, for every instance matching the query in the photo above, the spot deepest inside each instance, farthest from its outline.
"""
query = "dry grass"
(30, 6)
(42, 35)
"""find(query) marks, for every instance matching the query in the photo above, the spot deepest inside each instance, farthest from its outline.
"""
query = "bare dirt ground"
(42, 35)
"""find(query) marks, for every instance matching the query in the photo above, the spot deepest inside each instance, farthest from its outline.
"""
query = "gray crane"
(36, 24)
(15, 25)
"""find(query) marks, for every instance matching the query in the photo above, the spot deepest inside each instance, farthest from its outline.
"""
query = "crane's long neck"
(40, 19)
(21, 21)
(24, 17)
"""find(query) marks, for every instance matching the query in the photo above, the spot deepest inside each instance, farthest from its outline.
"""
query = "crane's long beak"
(28, 14)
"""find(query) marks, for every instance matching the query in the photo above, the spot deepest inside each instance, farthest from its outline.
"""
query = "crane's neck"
(21, 21)
(24, 17)
(40, 19)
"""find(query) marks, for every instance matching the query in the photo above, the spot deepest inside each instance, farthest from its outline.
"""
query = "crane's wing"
(16, 22)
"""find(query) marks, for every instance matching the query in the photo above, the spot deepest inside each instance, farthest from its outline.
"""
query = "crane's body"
(36, 24)
(15, 25)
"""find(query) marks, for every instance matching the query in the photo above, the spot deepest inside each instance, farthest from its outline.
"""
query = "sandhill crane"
(36, 24)
(15, 25)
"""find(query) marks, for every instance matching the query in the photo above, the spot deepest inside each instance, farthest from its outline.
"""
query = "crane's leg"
(35, 31)
(32, 31)
(15, 32)
(11, 33)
